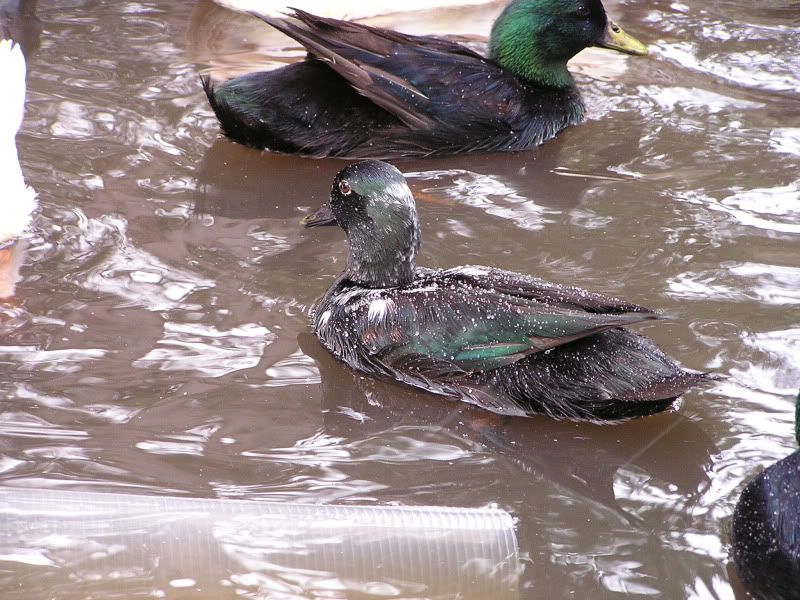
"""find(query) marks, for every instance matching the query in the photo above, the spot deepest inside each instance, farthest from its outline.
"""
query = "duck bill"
(323, 217)
(616, 39)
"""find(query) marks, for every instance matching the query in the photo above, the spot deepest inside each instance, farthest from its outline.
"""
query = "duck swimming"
(508, 342)
(766, 529)
(366, 92)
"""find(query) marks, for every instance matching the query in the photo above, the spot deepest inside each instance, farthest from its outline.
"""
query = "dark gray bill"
(321, 218)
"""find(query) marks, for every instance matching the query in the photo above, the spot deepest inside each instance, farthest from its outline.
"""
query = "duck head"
(534, 39)
(371, 201)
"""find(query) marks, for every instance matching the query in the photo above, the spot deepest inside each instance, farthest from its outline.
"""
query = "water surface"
(158, 342)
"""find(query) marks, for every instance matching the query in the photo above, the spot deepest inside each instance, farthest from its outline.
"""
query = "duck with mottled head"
(508, 342)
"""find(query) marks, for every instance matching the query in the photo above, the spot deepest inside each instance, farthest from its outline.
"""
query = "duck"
(366, 92)
(19, 199)
(765, 529)
(508, 342)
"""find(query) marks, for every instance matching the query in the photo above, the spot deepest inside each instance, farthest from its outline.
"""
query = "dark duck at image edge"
(508, 342)
(366, 92)
(766, 529)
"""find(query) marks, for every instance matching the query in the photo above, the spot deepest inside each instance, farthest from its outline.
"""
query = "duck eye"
(344, 188)
(582, 11)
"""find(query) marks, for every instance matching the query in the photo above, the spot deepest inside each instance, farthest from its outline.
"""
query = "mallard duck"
(366, 92)
(508, 342)
(766, 529)
(18, 199)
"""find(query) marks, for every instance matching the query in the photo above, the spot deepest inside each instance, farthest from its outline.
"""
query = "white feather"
(472, 271)
(379, 308)
(324, 318)
(17, 200)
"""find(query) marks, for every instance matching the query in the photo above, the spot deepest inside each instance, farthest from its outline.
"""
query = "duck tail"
(234, 118)
(12, 100)
(225, 115)
(238, 103)
(208, 88)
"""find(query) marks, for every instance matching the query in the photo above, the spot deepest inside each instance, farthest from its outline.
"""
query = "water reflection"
(205, 349)
(618, 475)
(581, 460)
(761, 65)
(159, 546)
(134, 352)
(242, 183)
(18, 22)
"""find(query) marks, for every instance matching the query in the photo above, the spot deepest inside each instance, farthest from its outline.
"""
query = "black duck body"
(367, 92)
(611, 375)
(469, 105)
(507, 342)
(766, 530)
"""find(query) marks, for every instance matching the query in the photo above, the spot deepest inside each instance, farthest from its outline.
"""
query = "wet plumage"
(766, 529)
(366, 92)
(508, 342)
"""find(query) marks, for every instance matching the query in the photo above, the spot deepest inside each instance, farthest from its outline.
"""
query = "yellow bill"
(615, 38)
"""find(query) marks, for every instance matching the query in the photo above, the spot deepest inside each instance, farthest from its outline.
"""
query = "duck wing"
(411, 77)
(539, 290)
(444, 329)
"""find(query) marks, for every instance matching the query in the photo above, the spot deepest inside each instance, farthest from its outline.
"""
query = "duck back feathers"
(512, 344)
(368, 92)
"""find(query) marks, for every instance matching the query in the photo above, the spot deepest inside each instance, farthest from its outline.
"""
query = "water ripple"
(207, 350)
(487, 193)
(775, 209)
(111, 264)
(769, 284)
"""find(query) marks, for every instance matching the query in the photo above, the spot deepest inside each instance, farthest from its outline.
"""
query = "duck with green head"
(366, 92)
(507, 342)
(766, 529)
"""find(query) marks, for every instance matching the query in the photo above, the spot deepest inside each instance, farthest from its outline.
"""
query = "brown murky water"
(158, 342)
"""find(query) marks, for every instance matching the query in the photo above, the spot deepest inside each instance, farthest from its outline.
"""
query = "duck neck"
(518, 45)
(384, 255)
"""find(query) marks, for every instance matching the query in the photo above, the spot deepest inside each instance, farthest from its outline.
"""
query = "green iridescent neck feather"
(523, 42)
(534, 39)
(383, 246)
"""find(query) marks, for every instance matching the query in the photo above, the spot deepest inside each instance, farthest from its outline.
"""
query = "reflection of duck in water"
(766, 529)
(582, 458)
(19, 200)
